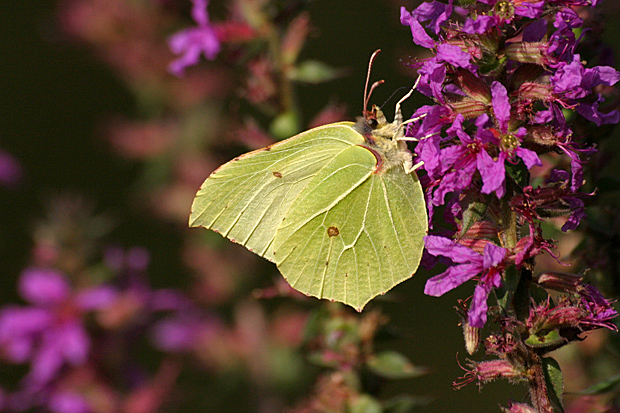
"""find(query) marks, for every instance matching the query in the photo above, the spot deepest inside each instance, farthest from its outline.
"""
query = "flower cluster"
(506, 82)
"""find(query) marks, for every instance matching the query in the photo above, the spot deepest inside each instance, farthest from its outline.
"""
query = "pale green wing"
(246, 199)
(353, 234)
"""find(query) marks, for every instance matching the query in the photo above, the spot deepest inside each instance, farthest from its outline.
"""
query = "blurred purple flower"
(134, 260)
(470, 263)
(183, 332)
(10, 170)
(68, 402)
(49, 332)
(192, 42)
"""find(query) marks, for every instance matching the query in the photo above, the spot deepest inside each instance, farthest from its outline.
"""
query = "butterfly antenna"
(374, 85)
(391, 96)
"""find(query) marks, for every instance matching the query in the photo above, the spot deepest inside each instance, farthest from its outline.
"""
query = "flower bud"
(559, 281)
(472, 337)
(487, 371)
(536, 91)
(518, 408)
(473, 86)
(542, 135)
(528, 52)
(469, 108)
(528, 72)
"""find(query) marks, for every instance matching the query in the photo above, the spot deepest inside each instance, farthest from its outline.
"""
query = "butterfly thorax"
(382, 139)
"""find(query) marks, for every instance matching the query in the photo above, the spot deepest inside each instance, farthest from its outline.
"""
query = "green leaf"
(602, 387)
(284, 125)
(393, 365)
(506, 292)
(365, 404)
(314, 72)
(555, 383)
(545, 339)
(518, 172)
(405, 403)
(473, 213)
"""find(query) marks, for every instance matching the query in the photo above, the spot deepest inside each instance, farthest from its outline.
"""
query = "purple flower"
(508, 143)
(502, 15)
(572, 81)
(50, 332)
(460, 162)
(193, 42)
(436, 13)
(420, 37)
(599, 308)
(479, 25)
(468, 264)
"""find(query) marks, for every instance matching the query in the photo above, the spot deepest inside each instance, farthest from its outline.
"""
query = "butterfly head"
(374, 124)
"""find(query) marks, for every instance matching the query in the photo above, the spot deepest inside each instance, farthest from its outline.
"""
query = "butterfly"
(338, 208)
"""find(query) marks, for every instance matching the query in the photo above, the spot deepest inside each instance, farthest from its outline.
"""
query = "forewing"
(246, 199)
(352, 234)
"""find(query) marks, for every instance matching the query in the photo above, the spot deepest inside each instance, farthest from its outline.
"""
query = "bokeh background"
(111, 149)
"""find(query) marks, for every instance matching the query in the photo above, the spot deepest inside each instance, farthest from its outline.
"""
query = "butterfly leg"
(398, 115)
(410, 167)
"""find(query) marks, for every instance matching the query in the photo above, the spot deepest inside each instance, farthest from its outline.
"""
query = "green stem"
(282, 70)
(508, 225)
(538, 389)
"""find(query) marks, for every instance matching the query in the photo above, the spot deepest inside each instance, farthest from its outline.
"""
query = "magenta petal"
(450, 155)
(493, 256)
(43, 286)
(531, 10)
(604, 75)
(420, 37)
(446, 247)
(68, 402)
(477, 314)
(190, 44)
(96, 298)
(480, 25)
(501, 105)
(455, 181)
(530, 158)
(199, 12)
(493, 172)
(450, 279)
(435, 11)
(73, 343)
(428, 151)
(46, 363)
(454, 55)
(20, 321)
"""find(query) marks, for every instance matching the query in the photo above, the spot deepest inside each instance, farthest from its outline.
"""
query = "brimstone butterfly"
(337, 208)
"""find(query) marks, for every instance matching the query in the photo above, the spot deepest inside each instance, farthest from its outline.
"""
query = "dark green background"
(54, 96)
